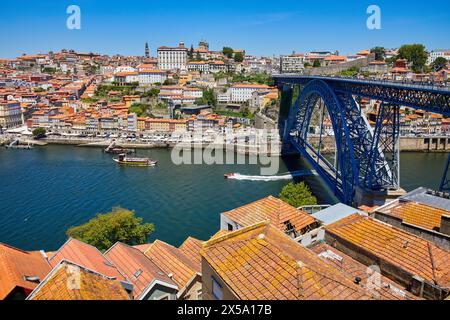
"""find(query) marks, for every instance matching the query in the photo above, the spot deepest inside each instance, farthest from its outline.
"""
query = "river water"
(45, 191)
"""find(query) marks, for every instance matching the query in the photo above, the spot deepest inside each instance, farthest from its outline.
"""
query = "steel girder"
(445, 184)
(384, 173)
(356, 147)
(416, 96)
(438, 102)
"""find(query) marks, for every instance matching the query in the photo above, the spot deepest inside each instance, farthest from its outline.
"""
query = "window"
(216, 289)
(230, 227)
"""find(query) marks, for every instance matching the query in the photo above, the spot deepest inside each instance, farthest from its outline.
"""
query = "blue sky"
(261, 27)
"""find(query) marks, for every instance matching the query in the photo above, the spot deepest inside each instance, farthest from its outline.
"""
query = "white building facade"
(293, 63)
(147, 77)
(444, 53)
(243, 92)
(173, 58)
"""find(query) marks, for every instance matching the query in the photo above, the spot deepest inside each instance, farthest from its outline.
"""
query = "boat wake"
(288, 176)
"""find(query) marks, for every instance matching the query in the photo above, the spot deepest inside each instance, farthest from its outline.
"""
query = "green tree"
(316, 63)
(228, 52)
(238, 57)
(351, 72)
(209, 97)
(380, 53)
(191, 52)
(106, 229)
(141, 109)
(414, 53)
(39, 133)
(297, 195)
(439, 64)
(152, 93)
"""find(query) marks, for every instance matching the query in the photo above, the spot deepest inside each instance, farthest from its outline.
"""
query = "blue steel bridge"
(367, 162)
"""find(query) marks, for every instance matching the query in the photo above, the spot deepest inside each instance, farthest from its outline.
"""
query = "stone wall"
(263, 122)
(335, 69)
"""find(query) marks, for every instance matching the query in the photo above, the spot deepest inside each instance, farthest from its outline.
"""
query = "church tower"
(147, 51)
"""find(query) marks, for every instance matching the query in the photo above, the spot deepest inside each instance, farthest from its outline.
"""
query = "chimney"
(445, 225)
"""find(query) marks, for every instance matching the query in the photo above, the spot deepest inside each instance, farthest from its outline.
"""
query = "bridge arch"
(353, 139)
(342, 179)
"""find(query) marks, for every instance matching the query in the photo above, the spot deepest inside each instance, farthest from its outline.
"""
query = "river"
(47, 190)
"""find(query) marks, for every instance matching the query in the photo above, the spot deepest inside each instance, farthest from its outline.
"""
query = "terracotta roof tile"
(91, 286)
(173, 261)
(87, 256)
(277, 211)
(419, 215)
(15, 264)
(404, 250)
(138, 268)
(351, 268)
(191, 248)
(262, 263)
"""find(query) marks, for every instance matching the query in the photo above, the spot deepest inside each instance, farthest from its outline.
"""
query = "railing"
(410, 84)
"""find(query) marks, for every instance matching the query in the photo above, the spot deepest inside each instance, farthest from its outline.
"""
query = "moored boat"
(139, 162)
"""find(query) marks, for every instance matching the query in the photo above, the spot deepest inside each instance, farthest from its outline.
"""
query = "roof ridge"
(233, 234)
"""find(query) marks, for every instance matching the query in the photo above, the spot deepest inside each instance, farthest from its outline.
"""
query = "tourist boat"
(139, 162)
(228, 175)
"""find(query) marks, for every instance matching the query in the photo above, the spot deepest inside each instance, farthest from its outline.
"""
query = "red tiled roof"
(388, 289)
(418, 214)
(173, 261)
(91, 285)
(275, 210)
(15, 264)
(191, 247)
(139, 269)
(262, 263)
(87, 256)
(397, 247)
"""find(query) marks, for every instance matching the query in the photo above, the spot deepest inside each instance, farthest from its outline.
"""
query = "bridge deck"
(433, 98)
(297, 79)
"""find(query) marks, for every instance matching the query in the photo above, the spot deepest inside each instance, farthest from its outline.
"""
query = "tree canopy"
(380, 53)
(297, 195)
(141, 109)
(439, 64)
(39, 132)
(106, 229)
(238, 57)
(414, 53)
(228, 52)
(316, 63)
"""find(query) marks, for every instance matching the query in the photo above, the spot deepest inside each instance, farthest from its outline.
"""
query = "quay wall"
(238, 148)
